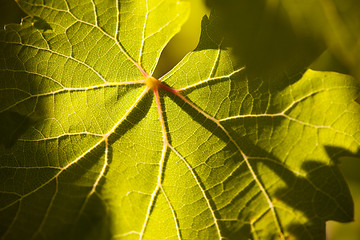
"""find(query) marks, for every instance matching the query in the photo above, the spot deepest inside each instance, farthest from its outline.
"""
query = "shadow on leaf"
(12, 126)
(319, 195)
(97, 221)
(41, 24)
(304, 198)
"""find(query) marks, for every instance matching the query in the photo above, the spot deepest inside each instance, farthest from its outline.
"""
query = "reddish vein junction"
(154, 84)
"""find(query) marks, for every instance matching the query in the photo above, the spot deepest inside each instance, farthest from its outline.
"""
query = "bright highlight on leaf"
(152, 82)
(210, 153)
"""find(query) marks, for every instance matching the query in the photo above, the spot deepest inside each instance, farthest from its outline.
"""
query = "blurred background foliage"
(272, 38)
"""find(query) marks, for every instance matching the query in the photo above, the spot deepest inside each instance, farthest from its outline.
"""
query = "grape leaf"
(96, 148)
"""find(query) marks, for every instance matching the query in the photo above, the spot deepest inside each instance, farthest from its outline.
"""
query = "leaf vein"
(82, 155)
(258, 182)
(201, 189)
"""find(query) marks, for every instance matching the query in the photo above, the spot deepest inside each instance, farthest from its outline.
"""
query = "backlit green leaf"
(98, 149)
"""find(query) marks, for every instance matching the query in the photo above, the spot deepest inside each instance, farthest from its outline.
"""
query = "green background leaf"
(218, 153)
(275, 35)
